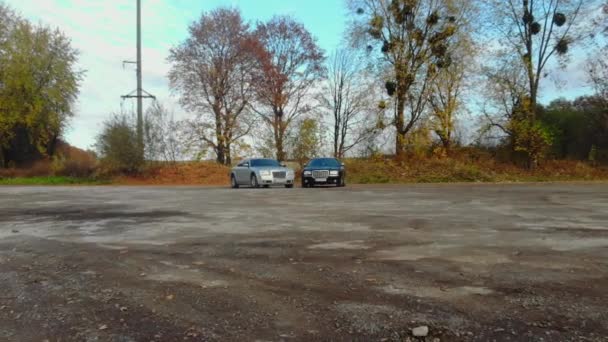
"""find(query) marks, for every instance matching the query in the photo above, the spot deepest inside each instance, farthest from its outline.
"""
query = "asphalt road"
(471, 262)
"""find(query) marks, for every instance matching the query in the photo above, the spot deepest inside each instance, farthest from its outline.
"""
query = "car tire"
(341, 182)
(289, 186)
(233, 183)
(304, 184)
(254, 181)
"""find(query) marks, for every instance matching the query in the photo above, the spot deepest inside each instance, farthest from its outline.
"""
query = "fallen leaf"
(103, 327)
(170, 297)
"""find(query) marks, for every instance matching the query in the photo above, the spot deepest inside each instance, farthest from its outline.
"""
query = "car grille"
(320, 174)
(279, 174)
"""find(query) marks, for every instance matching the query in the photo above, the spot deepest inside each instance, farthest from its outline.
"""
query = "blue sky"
(104, 32)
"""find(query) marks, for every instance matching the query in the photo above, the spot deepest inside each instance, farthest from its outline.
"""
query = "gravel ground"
(367, 263)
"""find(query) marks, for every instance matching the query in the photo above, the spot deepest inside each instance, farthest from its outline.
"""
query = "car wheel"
(254, 181)
(304, 184)
(341, 182)
(266, 186)
(233, 182)
(289, 186)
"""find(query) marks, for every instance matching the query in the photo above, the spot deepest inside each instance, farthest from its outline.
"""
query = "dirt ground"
(470, 262)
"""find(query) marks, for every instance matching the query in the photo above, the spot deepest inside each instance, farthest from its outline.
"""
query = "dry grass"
(466, 169)
(187, 173)
(466, 166)
(69, 161)
(40, 168)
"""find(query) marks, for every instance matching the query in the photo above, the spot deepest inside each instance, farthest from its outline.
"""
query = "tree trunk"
(447, 144)
(228, 155)
(400, 126)
(221, 156)
(279, 135)
(336, 138)
(280, 147)
(52, 146)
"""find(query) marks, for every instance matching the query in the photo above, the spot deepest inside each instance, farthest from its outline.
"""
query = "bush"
(118, 148)
(70, 161)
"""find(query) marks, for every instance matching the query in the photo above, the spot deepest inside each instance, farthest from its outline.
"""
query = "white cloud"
(104, 33)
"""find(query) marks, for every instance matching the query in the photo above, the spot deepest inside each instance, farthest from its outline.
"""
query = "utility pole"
(139, 92)
(140, 114)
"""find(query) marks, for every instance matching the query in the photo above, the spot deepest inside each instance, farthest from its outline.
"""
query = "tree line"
(409, 70)
(410, 75)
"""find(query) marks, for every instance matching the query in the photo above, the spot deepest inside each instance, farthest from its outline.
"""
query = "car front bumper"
(270, 180)
(328, 180)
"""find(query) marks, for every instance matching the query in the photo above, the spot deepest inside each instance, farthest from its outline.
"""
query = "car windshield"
(324, 162)
(264, 162)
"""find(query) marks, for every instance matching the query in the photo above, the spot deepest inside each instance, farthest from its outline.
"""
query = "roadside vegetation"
(51, 180)
(417, 93)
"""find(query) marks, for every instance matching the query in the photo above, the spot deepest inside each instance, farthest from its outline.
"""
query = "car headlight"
(333, 173)
(264, 173)
(307, 173)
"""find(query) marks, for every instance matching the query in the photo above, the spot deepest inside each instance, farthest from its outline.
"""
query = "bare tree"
(414, 37)
(291, 64)
(162, 135)
(448, 89)
(213, 71)
(598, 64)
(598, 74)
(349, 98)
(503, 89)
(536, 31)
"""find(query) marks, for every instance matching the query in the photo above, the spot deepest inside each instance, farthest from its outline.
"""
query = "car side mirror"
(283, 165)
(246, 165)
(342, 164)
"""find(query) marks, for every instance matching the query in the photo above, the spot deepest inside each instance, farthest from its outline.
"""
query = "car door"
(242, 172)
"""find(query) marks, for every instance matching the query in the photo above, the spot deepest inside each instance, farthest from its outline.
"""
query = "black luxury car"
(323, 171)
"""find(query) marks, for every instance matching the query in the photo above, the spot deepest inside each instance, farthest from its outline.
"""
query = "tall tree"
(39, 84)
(348, 96)
(535, 32)
(214, 72)
(448, 88)
(291, 64)
(414, 37)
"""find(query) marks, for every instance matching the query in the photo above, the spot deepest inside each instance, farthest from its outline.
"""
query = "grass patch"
(462, 169)
(51, 180)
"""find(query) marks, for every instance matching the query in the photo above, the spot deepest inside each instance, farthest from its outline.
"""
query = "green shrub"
(118, 148)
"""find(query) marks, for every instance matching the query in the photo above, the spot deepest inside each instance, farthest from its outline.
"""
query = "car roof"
(262, 159)
(250, 159)
(324, 158)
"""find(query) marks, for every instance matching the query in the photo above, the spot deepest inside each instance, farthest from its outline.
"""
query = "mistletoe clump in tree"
(536, 31)
(414, 38)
